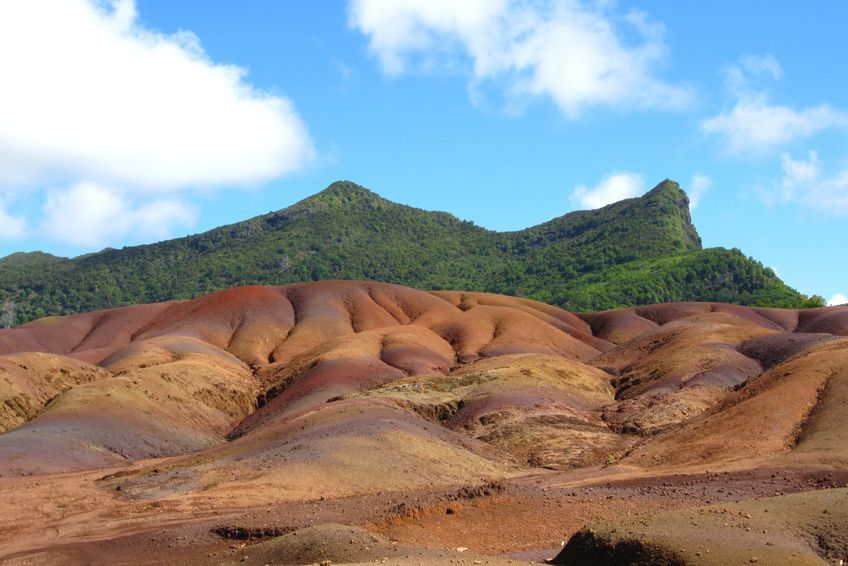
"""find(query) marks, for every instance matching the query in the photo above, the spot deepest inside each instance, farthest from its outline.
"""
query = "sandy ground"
(355, 422)
(70, 519)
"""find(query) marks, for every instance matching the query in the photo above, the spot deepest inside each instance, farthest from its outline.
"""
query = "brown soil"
(274, 424)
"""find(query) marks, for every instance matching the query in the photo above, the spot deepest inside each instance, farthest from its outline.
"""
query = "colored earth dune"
(353, 421)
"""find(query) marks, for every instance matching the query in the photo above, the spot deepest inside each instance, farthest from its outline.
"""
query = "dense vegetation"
(636, 251)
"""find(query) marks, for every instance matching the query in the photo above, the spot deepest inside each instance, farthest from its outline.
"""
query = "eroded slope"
(348, 389)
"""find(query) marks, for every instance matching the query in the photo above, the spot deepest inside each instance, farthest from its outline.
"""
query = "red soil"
(341, 400)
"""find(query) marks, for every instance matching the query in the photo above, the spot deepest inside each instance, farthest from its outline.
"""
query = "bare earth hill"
(354, 421)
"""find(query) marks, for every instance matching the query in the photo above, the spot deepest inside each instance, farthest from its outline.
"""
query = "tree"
(8, 313)
(815, 301)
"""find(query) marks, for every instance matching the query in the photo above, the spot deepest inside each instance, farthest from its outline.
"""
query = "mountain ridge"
(347, 231)
(350, 192)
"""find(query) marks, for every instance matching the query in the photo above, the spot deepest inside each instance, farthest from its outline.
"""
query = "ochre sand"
(394, 423)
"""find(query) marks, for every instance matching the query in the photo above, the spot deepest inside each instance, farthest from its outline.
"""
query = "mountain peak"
(669, 189)
(674, 202)
(340, 194)
(346, 190)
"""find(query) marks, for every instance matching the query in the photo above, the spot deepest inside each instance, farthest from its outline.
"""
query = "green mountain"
(637, 251)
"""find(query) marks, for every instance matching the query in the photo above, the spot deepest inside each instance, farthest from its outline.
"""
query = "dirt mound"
(342, 544)
(801, 528)
(29, 381)
(545, 411)
(176, 404)
(766, 418)
(277, 408)
(620, 325)
(684, 353)
(341, 449)
(184, 369)
(653, 413)
(773, 349)
(261, 325)
(833, 320)
(334, 543)
(87, 336)
(663, 314)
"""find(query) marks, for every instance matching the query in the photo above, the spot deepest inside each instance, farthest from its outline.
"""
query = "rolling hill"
(637, 251)
(354, 421)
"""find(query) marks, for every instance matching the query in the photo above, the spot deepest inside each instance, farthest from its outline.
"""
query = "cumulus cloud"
(698, 188)
(805, 183)
(755, 124)
(612, 188)
(89, 215)
(92, 96)
(11, 226)
(837, 299)
(88, 92)
(577, 54)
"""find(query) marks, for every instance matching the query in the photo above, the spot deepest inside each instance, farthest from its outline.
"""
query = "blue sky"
(125, 123)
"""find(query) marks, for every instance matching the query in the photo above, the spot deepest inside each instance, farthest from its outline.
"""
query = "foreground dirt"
(358, 422)
(524, 519)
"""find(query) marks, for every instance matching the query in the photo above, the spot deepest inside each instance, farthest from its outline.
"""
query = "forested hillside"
(641, 250)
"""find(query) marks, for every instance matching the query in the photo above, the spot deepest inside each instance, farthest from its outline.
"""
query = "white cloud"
(93, 99)
(741, 77)
(11, 226)
(798, 173)
(89, 215)
(837, 299)
(754, 124)
(577, 54)
(805, 184)
(89, 94)
(612, 188)
(698, 188)
(762, 65)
